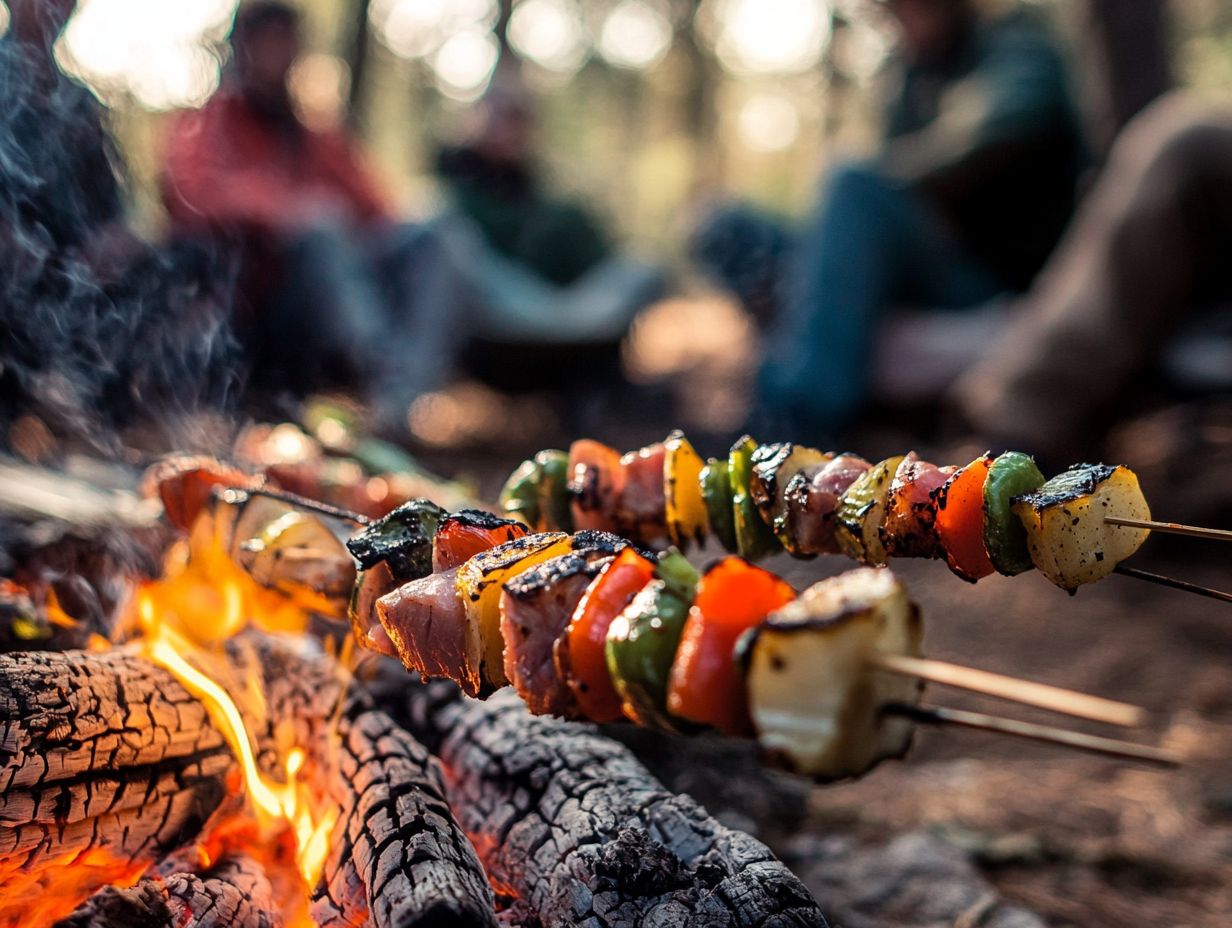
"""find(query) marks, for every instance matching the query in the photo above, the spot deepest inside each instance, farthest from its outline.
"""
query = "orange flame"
(182, 620)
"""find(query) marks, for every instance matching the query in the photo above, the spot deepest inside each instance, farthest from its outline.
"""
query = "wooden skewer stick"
(1027, 692)
(312, 505)
(1172, 583)
(1175, 528)
(939, 715)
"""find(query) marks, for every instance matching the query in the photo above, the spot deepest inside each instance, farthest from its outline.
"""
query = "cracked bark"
(107, 763)
(233, 894)
(398, 857)
(581, 834)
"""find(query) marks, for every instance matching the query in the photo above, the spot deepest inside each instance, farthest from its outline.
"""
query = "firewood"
(107, 763)
(398, 857)
(579, 833)
(233, 894)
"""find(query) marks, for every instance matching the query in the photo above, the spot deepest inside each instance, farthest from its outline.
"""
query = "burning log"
(106, 763)
(234, 894)
(398, 858)
(579, 833)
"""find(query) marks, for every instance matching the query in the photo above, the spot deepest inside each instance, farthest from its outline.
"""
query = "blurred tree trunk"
(1130, 61)
(502, 27)
(702, 78)
(358, 55)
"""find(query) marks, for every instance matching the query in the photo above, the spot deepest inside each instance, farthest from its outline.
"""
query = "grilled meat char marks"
(911, 512)
(535, 610)
(812, 499)
(428, 624)
(536, 607)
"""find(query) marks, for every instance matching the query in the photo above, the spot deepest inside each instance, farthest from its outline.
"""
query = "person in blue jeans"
(972, 186)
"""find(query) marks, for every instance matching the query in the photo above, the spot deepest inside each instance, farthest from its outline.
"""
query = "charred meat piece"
(911, 511)
(643, 502)
(432, 630)
(812, 498)
(536, 607)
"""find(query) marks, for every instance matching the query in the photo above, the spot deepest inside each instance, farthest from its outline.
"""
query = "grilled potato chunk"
(479, 588)
(297, 555)
(814, 699)
(1067, 536)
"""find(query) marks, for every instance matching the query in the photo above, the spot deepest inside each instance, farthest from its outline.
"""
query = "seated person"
(1138, 281)
(542, 268)
(973, 184)
(333, 291)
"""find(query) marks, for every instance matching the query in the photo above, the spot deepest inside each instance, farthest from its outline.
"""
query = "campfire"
(221, 758)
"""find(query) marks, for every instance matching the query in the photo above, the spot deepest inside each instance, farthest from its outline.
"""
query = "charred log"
(580, 833)
(107, 763)
(398, 857)
(234, 894)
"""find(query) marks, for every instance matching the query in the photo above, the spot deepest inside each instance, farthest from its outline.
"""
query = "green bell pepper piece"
(402, 539)
(1010, 475)
(642, 641)
(716, 491)
(554, 505)
(519, 497)
(754, 538)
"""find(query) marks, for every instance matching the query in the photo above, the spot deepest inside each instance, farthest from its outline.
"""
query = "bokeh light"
(636, 34)
(161, 53)
(418, 28)
(766, 36)
(465, 62)
(319, 85)
(4, 18)
(550, 34)
(768, 122)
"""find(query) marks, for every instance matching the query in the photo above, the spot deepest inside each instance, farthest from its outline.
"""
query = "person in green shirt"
(971, 187)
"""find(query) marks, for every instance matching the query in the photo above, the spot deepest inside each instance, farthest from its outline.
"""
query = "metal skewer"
(1174, 528)
(1172, 583)
(940, 715)
(1027, 692)
(312, 505)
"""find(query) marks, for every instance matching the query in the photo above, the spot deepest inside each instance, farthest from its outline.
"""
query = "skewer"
(1027, 692)
(1185, 585)
(312, 505)
(1096, 744)
(1175, 528)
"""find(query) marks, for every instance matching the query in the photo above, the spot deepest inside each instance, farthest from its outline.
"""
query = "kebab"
(588, 626)
(993, 515)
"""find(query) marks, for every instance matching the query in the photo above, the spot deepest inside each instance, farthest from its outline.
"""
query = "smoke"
(99, 331)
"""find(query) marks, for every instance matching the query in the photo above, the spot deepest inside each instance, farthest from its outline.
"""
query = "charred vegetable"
(754, 539)
(774, 468)
(479, 587)
(815, 700)
(1010, 475)
(861, 510)
(642, 640)
(402, 539)
(1067, 536)
(685, 507)
(717, 493)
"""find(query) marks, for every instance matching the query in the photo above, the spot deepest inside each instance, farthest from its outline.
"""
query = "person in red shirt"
(329, 282)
